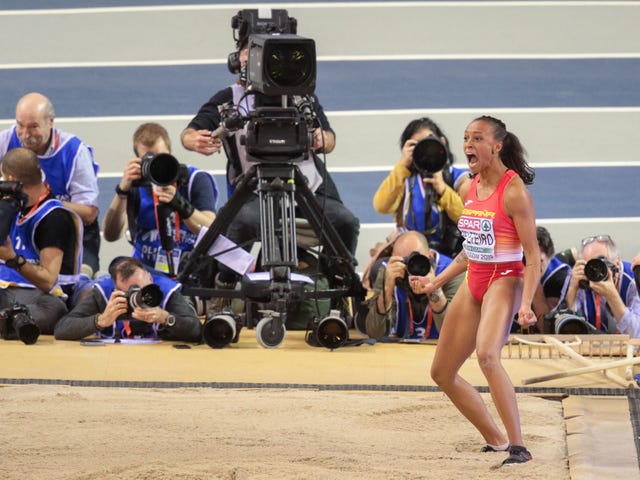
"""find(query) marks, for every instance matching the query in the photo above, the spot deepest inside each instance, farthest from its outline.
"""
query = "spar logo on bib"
(479, 237)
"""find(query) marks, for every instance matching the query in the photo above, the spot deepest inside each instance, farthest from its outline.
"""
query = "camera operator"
(68, 165)
(394, 309)
(409, 193)
(192, 200)
(43, 253)
(246, 224)
(107, 305)
(609, 300)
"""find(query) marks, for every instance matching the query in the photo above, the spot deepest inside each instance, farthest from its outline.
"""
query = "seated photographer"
(197, 136)
(191, 199)
(553, 282)
(394, 309)
(602, 288)
(42, 253)
(112, 309)
(424, 179)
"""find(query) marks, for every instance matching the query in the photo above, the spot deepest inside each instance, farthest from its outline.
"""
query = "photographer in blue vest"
(42, 255)
(191, 201)
(131, 302)
(68, 165)
(395, 311)
(602, 288)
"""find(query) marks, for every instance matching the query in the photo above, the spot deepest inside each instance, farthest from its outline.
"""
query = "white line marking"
(326, 5)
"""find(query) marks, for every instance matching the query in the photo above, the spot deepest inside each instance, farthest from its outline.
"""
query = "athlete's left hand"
(526, 317)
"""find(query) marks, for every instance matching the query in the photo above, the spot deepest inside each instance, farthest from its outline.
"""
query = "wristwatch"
(436, 296)
(170, 321)
(16, 262)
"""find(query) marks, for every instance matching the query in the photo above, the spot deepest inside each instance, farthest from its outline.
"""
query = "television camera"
(280, 75)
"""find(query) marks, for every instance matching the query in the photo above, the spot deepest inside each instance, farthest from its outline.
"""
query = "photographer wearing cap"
(602, 288)
(198, 137)
(191, 199)
(394, 309)
(42, 254)
(67, 162)
(424, 191)
(131, 302)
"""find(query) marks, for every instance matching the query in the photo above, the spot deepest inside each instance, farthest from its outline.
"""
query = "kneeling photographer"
(395, 311)
(131, 303)
(424, 191)
(602, 288)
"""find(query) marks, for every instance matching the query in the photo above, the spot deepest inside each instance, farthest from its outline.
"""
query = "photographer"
(42, 254)
(68, 165)
(553, 281)
(410, 194)
(198, 137)
(602, 288)
(191, 198)
(394, 309)
(108, 304)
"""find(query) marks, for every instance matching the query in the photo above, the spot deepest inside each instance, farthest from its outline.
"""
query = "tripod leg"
(243, 192)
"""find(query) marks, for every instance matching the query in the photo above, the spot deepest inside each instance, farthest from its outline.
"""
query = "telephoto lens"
(429, 156)
(220, 328)
(597, 269)
(332, 331)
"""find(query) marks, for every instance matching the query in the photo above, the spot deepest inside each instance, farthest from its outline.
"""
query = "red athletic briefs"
(480, 276)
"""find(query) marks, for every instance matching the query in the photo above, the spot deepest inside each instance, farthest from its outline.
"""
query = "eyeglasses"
(598, 238)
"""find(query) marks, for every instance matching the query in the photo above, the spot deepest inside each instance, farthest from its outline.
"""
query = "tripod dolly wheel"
(270, 332)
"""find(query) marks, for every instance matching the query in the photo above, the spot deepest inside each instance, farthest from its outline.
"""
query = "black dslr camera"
(11, 202)
(418, 265)
(596, 270)
(145, 297)
(567, 322)
(16, 324)
(162, 169)
(430, 156)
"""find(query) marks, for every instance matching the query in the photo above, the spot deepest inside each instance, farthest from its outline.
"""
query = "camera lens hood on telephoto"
(162, 169)
(596, 269)
(430, 155)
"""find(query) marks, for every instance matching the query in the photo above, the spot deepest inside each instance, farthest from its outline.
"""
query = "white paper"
(234, 257)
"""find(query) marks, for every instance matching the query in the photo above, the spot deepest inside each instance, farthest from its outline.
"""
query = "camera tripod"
(280, 187)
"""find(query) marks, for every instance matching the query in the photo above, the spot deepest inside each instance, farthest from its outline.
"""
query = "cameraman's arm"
(43, 275)
(80, 322)
(83, 187)
(115, 218)
(197, 136)
(390, 193)
(577, 274)
(379, 320)
(187, 327)
(202, 199)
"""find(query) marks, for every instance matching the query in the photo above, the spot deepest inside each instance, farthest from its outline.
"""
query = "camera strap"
(176, 216)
